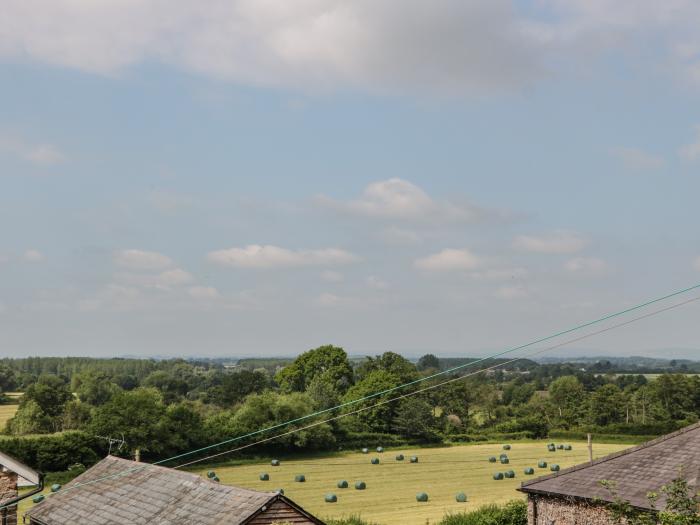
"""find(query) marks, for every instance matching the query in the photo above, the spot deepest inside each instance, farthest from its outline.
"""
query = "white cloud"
(586, 265)
(444, 46)
(257, 256)
(395, 235)
(142, 260)
(332, 277)
(638, 160)
(399, 199)
(511, 292)
(38, 154)
(33, 256)
(499, 274)
(557, 243)
(328, 300)
(448, 260)
(203, 292)
(376, 283)
(691, 151)
(163, 280)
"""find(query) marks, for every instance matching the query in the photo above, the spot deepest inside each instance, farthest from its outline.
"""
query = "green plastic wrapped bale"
(375, 461)
(421, 496)
(300, 478)
(506, 447)
(461, 497)
(505, 461)
(275, 462)
(279, 491)
(264, 476)
(216, 479)
(498, 476)
(365, 451)
(554, 467)
(360, 485)
(38, 498)
(55, 487)
(331, 498)
(542, 464)
(399, 457)
(529, 471)
(509, 474)
(567, 447)
(414, 459)
(503, 455)
(380, 449)
(211, 474)
(492, 459)
(342, 484)
(560, 447)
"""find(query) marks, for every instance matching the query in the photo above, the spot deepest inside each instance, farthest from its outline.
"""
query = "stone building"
(117, 491)
(13, 474)
(574, 496)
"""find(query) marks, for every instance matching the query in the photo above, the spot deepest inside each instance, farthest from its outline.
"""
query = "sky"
(261, 177)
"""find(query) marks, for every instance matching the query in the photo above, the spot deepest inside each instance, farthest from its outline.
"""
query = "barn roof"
(142, 493)
(636, 471)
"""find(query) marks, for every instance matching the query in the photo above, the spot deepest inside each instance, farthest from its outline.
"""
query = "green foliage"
(55, 452)
(350, 520)
(94, 387)
(428, 362)
(228, 389)
(377, 418)
(399, 367)
(606, 405)
(137, 415)
(414, 419)
(330, 362)
(567, 395)
(29, 419)
(512, 513)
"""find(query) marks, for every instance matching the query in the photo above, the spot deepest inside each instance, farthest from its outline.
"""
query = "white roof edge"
(23, 471)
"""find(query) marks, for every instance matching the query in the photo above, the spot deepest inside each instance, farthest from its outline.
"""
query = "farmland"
(392, 485)
(6, 412)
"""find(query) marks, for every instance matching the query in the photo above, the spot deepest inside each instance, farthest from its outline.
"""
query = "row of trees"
(171, 406)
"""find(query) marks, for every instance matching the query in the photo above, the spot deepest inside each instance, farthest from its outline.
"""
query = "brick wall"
(8, 491)
(546, 510)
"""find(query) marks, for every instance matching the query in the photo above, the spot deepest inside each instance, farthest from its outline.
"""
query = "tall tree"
(329, 361)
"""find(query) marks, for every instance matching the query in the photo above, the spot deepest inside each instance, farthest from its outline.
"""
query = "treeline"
(162, 408)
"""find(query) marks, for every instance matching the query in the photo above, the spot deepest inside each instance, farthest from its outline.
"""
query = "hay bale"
(300, 478)
(38, 498)
(542, 464)
(275, 462)
(342, 484)
(529, 471)
(211, 474)
(55, 487)
(365, 451)
(567, 447)
(414, 459)
(492, 459)
(399, 457)
(216, 479)
(509, 474)
(279, 491)
(506, 447)
(498, 476)
(380, 449)
(554, 467)
(505, 461)
(422, 496)
(375, 461)
(360, 485)
(264, 476)
(331, 498)
(461, 497)
(560, 447)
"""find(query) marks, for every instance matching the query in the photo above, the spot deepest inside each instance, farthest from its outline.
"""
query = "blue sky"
(259, 178)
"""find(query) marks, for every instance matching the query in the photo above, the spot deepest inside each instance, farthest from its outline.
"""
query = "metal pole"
(590, 448)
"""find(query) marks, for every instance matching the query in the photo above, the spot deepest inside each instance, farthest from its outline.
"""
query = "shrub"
(512, 513)
(54, 452)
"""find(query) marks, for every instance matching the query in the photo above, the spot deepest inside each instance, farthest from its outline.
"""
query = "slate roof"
(139, 493)
(636, 471)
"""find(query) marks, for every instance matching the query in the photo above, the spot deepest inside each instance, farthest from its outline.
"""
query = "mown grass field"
(390, 496)
(6, 412)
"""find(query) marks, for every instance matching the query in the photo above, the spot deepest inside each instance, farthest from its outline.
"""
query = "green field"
(392, 485)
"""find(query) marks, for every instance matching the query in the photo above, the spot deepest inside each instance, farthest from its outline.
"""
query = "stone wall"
(8, 491)
(547, 510)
